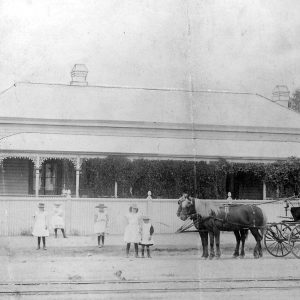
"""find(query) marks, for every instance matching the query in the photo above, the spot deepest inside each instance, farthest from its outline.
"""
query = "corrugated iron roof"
(55, 101)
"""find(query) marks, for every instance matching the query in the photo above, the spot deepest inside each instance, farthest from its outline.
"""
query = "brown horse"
(238, 218)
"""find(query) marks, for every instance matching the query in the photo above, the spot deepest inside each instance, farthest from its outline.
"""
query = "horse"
(238, 218)
(240, 235)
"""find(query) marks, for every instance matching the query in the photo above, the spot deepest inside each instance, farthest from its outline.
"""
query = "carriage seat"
(295, 211)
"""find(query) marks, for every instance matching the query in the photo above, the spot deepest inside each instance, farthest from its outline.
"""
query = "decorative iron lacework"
(21, 155)
(38, 160)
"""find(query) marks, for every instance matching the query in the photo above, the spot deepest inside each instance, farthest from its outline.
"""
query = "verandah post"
(78, 167)
(116, 189)
(37, 176)
(264, 190)
(77, 183)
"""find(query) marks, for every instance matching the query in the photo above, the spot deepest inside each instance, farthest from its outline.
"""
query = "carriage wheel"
(276, 239)
(294, 241)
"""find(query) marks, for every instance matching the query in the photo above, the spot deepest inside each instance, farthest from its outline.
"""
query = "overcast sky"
(229, 44)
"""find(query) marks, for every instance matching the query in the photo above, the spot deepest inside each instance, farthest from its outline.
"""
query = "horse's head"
(186, 207)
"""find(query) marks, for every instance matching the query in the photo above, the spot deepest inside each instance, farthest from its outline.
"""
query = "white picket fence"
(16, 213)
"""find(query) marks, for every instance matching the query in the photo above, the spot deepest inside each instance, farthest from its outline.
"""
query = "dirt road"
(76, 269)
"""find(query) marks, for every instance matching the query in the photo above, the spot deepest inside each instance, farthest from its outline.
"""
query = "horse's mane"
(206, 207)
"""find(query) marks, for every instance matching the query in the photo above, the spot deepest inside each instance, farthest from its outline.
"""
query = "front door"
(50, 178)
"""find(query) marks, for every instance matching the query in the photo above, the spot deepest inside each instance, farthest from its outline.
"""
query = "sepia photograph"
(149, 149)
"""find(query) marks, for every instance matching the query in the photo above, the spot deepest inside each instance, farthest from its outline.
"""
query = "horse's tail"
(246, 234)
(263, 228)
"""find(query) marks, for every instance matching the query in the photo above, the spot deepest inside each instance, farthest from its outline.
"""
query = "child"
(132, 230)
(58, 220)
(183, 197)
(101, 222)
(40, 227)
(147, 233)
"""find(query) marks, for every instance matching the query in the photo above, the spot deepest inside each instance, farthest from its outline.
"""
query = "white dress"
(147, 239)
(132, 230)
(57, 220)
(100, 226)
(39, 227)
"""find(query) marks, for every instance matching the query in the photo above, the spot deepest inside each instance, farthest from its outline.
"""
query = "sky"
(236, 45)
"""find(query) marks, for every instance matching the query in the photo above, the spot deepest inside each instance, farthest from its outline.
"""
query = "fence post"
(149, 204)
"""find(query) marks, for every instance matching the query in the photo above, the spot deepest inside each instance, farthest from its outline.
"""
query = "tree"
(295, 101)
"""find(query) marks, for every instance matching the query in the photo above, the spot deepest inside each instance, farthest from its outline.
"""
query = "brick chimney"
(281, 95)
(79, 74)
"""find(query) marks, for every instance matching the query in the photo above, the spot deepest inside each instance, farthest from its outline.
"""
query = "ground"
(75, 268)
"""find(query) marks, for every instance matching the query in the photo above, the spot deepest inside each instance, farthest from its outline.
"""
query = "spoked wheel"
(294, 241)
(276, 239)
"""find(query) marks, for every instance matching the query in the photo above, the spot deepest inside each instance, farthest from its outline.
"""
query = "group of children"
(41, 224)
(138, 230)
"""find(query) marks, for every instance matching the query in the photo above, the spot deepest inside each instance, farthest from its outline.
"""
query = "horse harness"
(200, 219)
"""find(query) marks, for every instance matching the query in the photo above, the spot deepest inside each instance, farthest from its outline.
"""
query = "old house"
(48, 130)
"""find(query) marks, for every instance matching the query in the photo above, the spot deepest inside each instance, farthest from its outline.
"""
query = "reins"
(278, 200)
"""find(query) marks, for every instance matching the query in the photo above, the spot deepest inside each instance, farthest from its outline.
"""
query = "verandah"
(116, 176)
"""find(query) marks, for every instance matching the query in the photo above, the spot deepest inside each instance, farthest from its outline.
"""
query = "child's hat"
(101, 205)
(134, 205)
(41, 205)
(146, 218)
(57, 204)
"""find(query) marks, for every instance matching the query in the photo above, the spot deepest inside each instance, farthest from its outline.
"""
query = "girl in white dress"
(147, 233)
(40, 227)
(133, 229)
(101, 223)
(57, 220)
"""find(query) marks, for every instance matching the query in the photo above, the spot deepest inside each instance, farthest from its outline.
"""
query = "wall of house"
(14, 176)
(17, 177)
(252, 190)
(244, 187)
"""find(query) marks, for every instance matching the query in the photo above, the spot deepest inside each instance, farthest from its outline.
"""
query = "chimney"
(281, 95)
(79, 74)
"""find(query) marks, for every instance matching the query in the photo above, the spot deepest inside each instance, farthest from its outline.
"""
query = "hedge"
(168, 178)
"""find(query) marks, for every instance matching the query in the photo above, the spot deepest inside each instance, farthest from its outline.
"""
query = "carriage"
(283, 238)
(280, 238)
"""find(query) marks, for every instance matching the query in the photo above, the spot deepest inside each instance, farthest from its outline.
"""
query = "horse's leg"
(244, 233)
(204, 241)
(260, 234)
(236, 252)
(259, 248)
(218, 251)
(257, 236)
(259, 239)
(205, 234)
(211, 242)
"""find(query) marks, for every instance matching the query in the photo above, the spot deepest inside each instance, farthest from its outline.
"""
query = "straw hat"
(146, 218)
(42, 205)
(101, 205)
(57, 204)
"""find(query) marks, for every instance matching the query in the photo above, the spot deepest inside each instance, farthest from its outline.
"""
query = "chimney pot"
(79, 74)
(281, 95)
